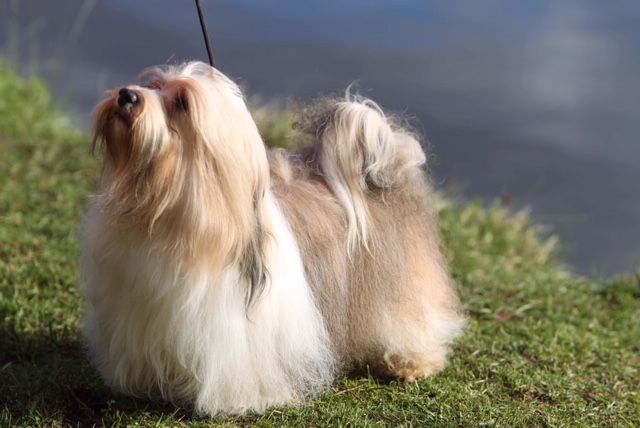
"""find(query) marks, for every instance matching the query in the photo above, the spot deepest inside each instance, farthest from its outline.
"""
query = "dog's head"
(182, 157)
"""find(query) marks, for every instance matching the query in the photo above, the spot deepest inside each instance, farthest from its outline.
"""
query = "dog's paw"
(409, 369)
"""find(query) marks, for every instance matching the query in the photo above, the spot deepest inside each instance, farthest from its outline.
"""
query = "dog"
(229, 278)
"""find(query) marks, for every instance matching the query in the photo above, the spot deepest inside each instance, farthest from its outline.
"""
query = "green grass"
(543, 347)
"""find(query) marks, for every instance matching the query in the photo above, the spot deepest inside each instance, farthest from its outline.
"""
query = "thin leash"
(205, 34)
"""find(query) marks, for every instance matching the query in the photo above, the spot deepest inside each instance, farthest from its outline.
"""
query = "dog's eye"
(180, 102)
(154, 85)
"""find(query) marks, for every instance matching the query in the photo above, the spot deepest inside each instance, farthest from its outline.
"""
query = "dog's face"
(181, 154)
(182, 110)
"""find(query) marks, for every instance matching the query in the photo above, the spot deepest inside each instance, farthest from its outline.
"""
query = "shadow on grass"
(47, 377)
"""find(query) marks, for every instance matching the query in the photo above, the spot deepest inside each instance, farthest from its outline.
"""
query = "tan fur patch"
(402, 277)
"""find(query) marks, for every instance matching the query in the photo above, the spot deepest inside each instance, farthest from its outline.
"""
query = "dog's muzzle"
(127, 97)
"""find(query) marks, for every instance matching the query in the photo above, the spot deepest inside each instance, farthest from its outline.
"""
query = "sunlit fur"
(222, 277)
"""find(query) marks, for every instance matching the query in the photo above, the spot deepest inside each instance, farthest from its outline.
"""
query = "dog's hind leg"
(418, 317)
(415, 337)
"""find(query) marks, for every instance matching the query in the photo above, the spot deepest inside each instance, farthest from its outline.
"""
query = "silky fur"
(219, 276)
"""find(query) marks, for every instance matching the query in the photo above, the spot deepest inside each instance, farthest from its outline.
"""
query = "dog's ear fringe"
(253, 264)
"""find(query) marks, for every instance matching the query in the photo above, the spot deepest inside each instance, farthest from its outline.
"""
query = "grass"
(543, 347)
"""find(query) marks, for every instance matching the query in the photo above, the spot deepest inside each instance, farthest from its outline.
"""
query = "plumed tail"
(358, 148)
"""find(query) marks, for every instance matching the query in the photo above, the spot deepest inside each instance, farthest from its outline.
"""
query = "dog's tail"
(358, 149)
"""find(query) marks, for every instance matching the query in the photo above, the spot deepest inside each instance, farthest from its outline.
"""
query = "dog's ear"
(253, 264)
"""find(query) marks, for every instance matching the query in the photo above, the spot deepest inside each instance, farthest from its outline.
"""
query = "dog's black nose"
(127, 96)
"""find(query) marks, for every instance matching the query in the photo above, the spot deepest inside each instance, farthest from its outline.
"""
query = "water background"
(537, 102)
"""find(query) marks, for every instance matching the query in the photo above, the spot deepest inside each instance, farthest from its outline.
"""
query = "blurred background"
(534, 103)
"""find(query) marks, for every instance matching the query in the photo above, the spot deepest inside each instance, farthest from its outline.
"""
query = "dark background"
(532, 101)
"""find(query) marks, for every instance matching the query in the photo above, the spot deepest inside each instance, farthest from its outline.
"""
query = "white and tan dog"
(226, 277)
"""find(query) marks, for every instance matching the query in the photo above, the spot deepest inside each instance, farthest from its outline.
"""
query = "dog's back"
(360, 206)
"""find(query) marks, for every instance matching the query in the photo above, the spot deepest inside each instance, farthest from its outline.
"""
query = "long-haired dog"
(229, 278)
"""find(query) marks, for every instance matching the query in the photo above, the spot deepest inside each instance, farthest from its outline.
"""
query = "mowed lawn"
(543, 346)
